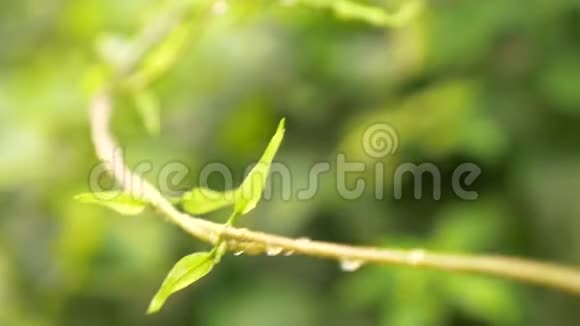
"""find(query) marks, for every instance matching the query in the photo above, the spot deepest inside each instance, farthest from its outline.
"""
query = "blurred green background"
(492, 82)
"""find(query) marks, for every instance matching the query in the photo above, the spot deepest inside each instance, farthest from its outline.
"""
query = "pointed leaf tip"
(250, 192)
(186, 271)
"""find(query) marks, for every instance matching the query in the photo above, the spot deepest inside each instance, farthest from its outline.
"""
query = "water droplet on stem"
(273, 251)
(350, 265)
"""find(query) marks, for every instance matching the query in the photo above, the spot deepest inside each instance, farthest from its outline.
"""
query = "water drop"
(273, 251)
(238, 253)
(350, 265)
(289, 253)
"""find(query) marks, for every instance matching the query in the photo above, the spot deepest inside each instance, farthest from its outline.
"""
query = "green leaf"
(250, 192)
(204, 200)
(148, 106)
(375, 15)
(118, 201)
(185, 272)
(161, 58)
(490, 300)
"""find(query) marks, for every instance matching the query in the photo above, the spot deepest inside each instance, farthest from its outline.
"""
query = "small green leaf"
(250, 192)
(185, 272)
(118, 201)
(161, 58)
(375, 15)
(204, 200)
(148, 106)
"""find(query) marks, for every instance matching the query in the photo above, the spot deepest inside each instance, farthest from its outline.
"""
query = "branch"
(563, 278)
(251, 242)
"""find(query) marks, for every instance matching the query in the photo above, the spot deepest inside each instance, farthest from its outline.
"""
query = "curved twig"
(549, 275)
(563, 278)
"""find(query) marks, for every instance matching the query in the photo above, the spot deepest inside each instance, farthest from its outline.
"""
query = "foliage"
(185, 272)
(199, 201)
(481, 81)
(120, 202)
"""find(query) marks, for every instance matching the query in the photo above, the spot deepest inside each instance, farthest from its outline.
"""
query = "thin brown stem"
(550, 275)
